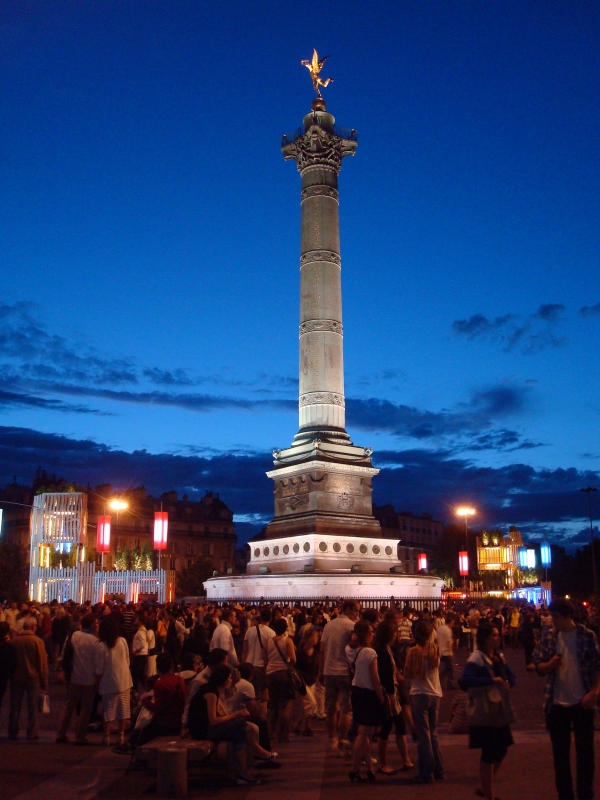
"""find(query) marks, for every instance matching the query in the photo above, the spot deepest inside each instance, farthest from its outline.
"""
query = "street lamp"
(116, 505)
(588, 490)
(466, 513)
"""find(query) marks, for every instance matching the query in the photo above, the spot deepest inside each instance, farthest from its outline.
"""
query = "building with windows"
(499, 552)
(414, 533)
(197, 528)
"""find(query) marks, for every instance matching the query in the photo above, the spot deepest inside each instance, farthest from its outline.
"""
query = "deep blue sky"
(149, 243)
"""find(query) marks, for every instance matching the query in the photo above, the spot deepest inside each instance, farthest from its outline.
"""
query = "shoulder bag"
(295, 679)
(489, 706)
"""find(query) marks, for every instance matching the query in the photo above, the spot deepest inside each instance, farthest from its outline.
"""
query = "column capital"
(319, 148)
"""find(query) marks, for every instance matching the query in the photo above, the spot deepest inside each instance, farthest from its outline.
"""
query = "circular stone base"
(316, 586)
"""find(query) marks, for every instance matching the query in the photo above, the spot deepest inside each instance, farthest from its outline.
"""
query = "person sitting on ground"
(208, 720)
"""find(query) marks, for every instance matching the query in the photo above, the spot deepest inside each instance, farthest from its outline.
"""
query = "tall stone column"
(318, 149)
(323, 481)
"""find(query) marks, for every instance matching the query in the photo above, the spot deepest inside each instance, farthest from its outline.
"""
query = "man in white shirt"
(82, 682)
(252, 652)
(445, 639)
(334, 673)
(223, 638)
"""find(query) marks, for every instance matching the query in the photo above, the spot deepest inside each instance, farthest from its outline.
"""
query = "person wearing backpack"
(79, 667)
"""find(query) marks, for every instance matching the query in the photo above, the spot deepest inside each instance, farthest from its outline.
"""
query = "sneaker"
(271, 757)
(242, 781)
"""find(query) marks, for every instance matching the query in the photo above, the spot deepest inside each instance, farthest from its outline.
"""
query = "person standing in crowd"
(568, 654)
(8, 659)
(82, 680)
(514, 620)
(334, 673)
(473, 618)
(60, 631)
(139, 651)
(422, 668)
(128, 623)
(367, 697)
(307, 664)
(253, 653)
(279, 654)
(222, 637)
(527, 639)
(114, 676)
(487, 678)
(30, 677)
(11, 614)
(389, 675)
(445, 638)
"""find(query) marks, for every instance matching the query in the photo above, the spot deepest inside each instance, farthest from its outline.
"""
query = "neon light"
(463, 563)
(545, 555)
(422, 561)
(103, 535)
(161, 526)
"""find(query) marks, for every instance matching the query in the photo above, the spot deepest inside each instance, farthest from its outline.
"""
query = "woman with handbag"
(279, 656)
(388, 675)
(487, 678)
(367, 697)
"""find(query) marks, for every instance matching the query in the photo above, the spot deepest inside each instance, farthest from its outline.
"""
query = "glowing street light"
(466, 512)
(118, 505)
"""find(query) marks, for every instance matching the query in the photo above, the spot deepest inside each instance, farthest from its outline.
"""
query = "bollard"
(172, 772)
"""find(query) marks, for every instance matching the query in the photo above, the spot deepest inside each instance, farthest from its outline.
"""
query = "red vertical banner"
(103, 534)
(161, 529)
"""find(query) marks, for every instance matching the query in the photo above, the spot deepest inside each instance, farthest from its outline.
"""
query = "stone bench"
(197, 749)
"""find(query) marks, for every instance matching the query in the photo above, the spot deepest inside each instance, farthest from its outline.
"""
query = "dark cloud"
(419, 480)
(527, 334)
(590, 311)
(469, 419)
(16, 400)
(164, 377)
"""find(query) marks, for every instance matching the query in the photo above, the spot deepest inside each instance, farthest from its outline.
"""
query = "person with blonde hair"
(423, 668)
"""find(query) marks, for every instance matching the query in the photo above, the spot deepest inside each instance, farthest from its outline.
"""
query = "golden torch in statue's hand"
(314, 67)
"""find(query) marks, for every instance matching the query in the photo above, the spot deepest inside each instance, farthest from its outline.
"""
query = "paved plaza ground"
(47, 771)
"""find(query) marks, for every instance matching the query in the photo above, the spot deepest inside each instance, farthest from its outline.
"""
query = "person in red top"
(166, 705)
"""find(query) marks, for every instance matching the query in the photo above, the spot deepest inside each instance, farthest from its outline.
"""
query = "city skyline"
(148, 325)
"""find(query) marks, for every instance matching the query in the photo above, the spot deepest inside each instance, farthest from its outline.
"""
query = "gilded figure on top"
(314, 66)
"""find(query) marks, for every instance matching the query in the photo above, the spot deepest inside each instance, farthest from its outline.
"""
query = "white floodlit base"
(319, 585)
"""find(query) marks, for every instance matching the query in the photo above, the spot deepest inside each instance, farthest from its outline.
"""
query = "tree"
(122, 559)
(13, 571)
(147, 558)
(190, 580)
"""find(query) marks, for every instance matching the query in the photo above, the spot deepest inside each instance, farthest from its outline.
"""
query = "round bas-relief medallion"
(337, 547)
(323, 547)
(388, 551)
(306, 547)
(296, 548)
(363, 548)
(276, 550)
(349, 548)
(286, 549)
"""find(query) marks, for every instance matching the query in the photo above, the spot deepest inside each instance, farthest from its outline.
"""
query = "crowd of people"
(254, 677)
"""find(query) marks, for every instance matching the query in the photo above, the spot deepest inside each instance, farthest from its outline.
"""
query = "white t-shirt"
(84, 644)
(336, 636)
(113, 666)
(361, 658)
(445, 637)
(255, 650)
(568, 686)
(242, 692)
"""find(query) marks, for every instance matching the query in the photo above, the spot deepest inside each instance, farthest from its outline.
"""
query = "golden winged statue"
(314, 67)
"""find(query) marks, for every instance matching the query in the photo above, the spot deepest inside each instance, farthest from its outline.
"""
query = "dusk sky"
(149, 243)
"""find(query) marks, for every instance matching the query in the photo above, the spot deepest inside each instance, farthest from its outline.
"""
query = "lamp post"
(466, 513)
(588, 490)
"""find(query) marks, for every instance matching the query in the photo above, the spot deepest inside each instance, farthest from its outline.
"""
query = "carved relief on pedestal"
(320, 255)
(313, 398)
(321, 325)
(345, 502)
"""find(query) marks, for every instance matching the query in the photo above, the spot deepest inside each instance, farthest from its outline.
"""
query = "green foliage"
(135, 558)
(190, 580)
(528, 577)
(147, 558)
(60, 560)
(122, 559)
(493, 579)
(13, 571)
